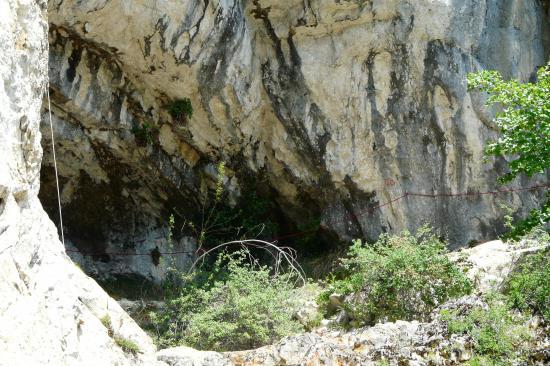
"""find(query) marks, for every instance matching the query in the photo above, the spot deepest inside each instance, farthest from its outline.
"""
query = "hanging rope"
(55, 166)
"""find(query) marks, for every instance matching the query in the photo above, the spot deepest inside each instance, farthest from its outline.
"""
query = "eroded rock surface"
(334, 107)
(488, 265)
(50, 310)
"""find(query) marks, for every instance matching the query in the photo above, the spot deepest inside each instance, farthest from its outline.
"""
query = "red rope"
(361, 213)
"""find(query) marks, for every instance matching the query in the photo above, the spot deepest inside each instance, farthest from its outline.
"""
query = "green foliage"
(219, 181)
(106, 321)
(219, 223)
(126, 345)
(524, 122)
(399, 277)
(496, 332)
(528, 288)
(181, 109)
(143, 133)
(536, 219)
(237, 304)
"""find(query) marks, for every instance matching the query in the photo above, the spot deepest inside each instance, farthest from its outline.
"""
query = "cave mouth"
(116, 237)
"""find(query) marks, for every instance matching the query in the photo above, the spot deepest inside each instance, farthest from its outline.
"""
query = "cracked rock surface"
(335, 106)
(50, 310)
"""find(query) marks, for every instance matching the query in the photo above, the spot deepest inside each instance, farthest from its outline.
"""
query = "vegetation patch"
(235, 305)
(143, 133)
(499, 336)
(528, 288)
(524, 125)
(106, 321)
(181, 109)
(126, 345)
(131, 287)
(251, 217)
(399, 277)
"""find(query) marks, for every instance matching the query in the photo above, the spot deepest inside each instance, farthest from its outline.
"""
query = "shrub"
(181, 109)
(532, 225)
(528, 288)
(235, 305)
(106, 321)
(524, 126)
(399, 277)
(126, 345)
(143, 133)
(496, 332)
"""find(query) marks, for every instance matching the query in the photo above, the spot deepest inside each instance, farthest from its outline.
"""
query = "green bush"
(235, 305)
(524, 125)
(126, 345)
(400, 277)
(181, 109)
(497, 333)
(533, 225)
(528, 288)
(106, 321)
(143, 133)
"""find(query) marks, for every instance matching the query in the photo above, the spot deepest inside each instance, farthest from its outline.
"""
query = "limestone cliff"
(328, 107)
(50, 310)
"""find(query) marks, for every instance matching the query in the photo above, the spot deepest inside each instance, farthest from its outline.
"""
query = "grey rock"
(339, 106)
(50, 310)
(185, 356)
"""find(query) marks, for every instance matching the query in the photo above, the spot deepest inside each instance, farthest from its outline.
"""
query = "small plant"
(219, 223)
(400, 277)
(143, 133)
(106, 321)
(127, 345)
(508, 217)
(534, 222)
(181, 109)
(496, 332)
(528, 288)
(237, 304)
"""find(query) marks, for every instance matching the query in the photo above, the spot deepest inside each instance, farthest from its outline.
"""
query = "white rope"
(55, 166)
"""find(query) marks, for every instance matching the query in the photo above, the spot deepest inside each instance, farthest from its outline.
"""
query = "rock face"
(490, 264)
(50, 310)
(329, 108)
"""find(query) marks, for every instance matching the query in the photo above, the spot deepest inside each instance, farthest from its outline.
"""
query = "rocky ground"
(396, 343)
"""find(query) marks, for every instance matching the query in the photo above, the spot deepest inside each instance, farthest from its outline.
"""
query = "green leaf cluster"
(126, 344)
(399, 277)
(524, 121)
(181, 109)
(235, 305)
(143, 133)
(534, 222)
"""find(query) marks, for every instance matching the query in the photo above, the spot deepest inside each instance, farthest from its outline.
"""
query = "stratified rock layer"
(332, 107)
(50, 310)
